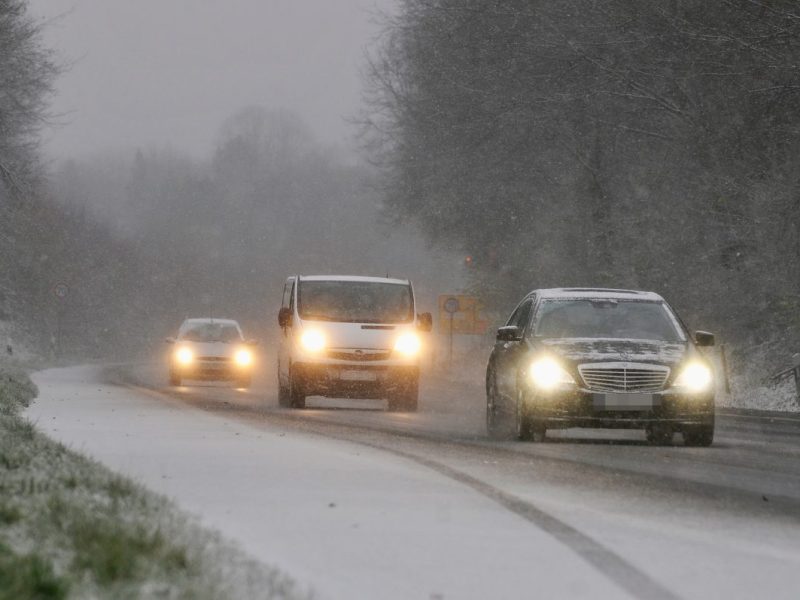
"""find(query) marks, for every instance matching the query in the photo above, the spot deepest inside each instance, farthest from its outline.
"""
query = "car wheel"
(699, 436)
(523, 422)
(174, 378)
(297, 394)
(243, 382)
(283, 393)
(499, 425)
(658, 435)
(406, 399)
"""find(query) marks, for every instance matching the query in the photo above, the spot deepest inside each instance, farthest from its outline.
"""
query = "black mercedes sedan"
(577, 357)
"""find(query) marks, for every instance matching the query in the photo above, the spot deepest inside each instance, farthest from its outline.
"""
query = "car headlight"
(547, 374)
(184, 356)
(312, 340)
(695, 377)
(243, 357)
(408, 344)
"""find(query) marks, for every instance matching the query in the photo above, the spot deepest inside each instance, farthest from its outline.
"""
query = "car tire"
(174, 379)
(297, 393)
(283, 394)
(499, 422)
(658, 435)
(702, 436)
(244, 382)
(522, 419)
(406, 399)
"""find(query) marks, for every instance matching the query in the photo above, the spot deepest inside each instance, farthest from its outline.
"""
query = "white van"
(350, 337)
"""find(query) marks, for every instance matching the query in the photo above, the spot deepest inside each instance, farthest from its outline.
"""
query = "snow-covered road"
(365, 504)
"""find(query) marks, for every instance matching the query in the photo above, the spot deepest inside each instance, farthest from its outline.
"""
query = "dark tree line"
(627, 143)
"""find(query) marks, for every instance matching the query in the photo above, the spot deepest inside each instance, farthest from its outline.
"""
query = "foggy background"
(179, 157)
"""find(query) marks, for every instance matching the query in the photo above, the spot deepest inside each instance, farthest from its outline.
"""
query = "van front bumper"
(353, 380)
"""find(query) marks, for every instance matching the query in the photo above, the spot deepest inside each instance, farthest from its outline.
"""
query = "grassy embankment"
(70, 528)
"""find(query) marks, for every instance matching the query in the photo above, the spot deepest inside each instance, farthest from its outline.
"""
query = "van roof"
(352, 278)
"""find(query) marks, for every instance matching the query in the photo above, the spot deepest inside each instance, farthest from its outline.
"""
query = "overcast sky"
(158, 72)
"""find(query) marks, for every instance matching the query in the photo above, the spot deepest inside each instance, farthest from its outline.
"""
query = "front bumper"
(212, 370)
(580, 408)
(354, 380)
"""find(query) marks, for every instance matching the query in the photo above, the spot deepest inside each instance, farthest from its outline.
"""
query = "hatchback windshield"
(355, 301)
(617, 319)
(211, 332)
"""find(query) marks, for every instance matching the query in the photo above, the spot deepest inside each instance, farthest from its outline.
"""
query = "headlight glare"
(408, 344)
(184, 356)
(312, 340)
(547, 374)
(243, 357)
(695, 377)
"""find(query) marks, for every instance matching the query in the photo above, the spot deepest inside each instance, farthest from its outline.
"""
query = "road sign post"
(451, 307)
(60, 292)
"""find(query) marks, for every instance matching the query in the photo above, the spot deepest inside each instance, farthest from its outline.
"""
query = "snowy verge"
(70, 528)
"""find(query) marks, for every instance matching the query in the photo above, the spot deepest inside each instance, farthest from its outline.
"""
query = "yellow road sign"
(462, 313)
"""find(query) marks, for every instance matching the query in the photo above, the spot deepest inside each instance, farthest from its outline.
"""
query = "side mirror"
(425, 322)
(285, 317)
(252, 342)
(704, 339)
(511, 333)
(170, 340)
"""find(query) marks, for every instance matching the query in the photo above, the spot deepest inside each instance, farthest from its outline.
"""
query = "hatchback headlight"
(184, 356)
(243, 357)
(312, 340)
(408, 344)
(695, 377)
(547, 374)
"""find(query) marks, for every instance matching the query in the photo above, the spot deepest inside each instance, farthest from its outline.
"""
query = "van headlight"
(312, 341)
(243, 357)
(695, 377)
(408, 344)
(184, 356)
(547, 374)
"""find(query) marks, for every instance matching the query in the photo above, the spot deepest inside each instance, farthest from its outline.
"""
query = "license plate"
(358, 376)
(620, 401)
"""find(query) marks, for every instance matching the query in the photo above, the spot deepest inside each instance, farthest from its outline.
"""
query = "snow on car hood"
(596, 350)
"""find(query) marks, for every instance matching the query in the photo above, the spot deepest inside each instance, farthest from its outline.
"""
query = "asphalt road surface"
(358, 503)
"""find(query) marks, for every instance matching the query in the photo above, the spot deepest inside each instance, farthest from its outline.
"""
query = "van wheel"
(297, 393)
(405, 399)
(699, 436)
(243, 382)
(174, 378)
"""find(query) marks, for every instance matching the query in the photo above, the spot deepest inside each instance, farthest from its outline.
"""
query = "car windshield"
(608, 319)
(355, 301)
(211, 332)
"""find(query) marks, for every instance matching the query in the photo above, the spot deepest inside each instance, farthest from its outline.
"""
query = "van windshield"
(355, 301)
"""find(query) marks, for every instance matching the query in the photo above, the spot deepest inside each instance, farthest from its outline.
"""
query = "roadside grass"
(70, 528)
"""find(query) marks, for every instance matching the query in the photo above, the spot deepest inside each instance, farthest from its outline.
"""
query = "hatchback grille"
(359, 355)
(623, 377)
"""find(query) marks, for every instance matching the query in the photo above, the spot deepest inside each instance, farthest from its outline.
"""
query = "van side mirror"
(425, 322)
(285, 317)
(511, 333)
(170, 340)
(704, 339)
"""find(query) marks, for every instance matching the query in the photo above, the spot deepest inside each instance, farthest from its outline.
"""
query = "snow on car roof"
(605, 293)
(352, 278)
(210, 320)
